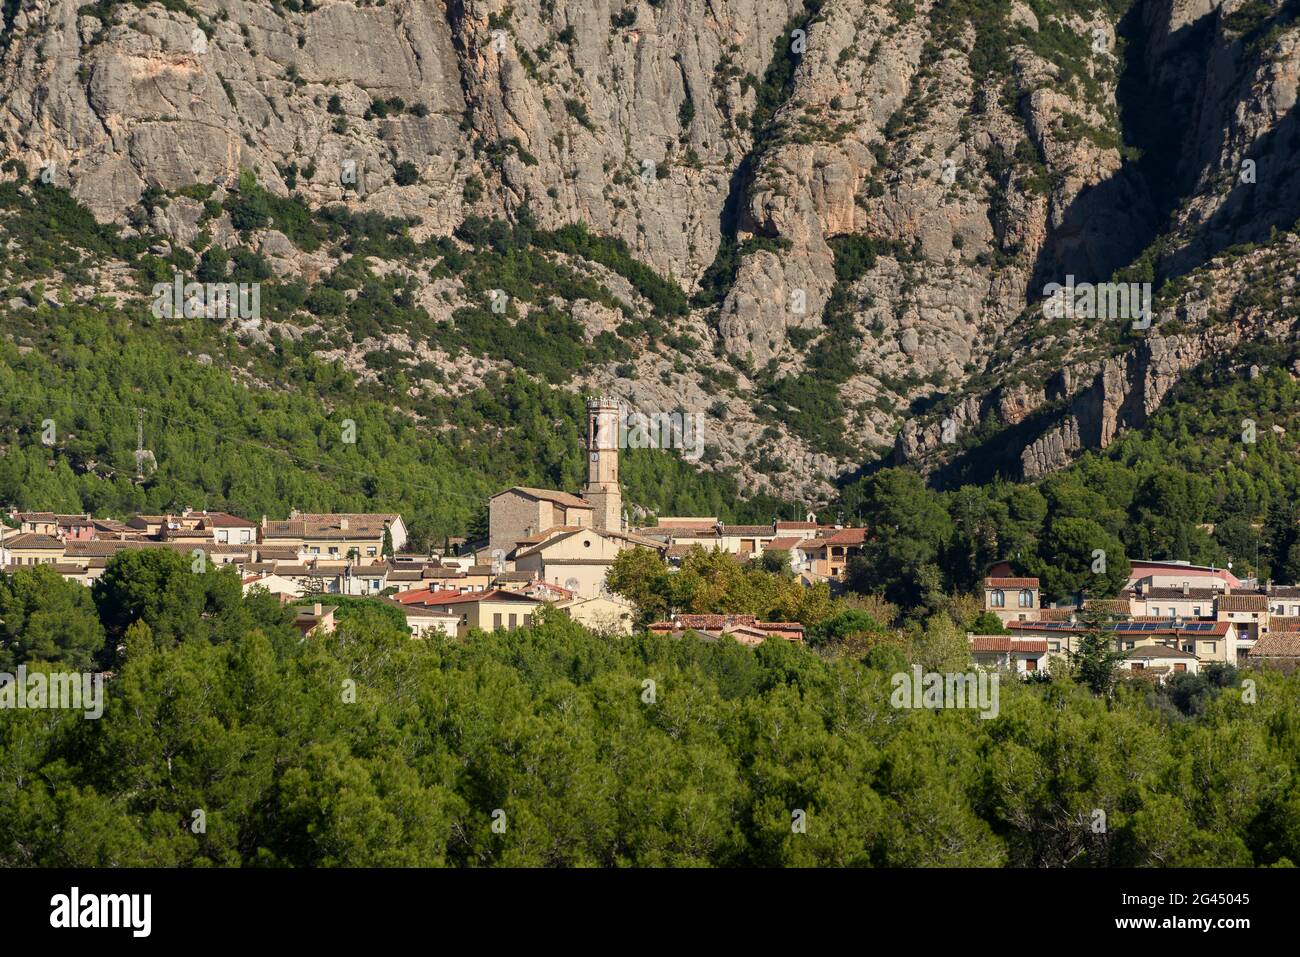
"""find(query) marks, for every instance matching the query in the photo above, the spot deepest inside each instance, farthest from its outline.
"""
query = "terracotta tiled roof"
(493, 594)
(704, 622)
(549, 495)
(425, 596)
(274, 552)
(32, 540)
(1276, 645)
(1007, 643)
(1283, 623)
(848, 536)
(309, 529)
(367, 518)
(1055, 614)
(1011, 583)
(226, 520)
(547, 533)
(1243, 603)
(722, 622)
(1174, 594)
(1111, 606)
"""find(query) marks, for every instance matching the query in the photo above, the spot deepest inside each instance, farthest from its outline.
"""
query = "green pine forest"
(227, 741)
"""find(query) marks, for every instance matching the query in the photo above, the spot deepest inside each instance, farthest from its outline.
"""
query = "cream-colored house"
(358, 520)
(602, 614)
(1249, 613)
(275, 584)
(424, 621)
(1182, 602)
(578, 559)
(1008, 653)
(329, 537)
(31, 548)
(492, 610)
(1012, 599)
(1160, 661)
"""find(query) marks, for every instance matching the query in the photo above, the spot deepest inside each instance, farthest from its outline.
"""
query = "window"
(1026, 598)
(1196, 611)
(1155, 612)
(496, 622)
(370, 551)
(528, 621)
(998, 599)
(514, 621)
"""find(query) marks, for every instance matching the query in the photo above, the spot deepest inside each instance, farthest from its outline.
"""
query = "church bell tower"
(601, 489)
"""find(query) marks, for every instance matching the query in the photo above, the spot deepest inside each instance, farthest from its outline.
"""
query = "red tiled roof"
(848, 536)
(548, 495)
(426, 596)
(1276, 645)
(1243, 603)
(1011, 583)
(32, 540)
(492, 594)
(1007, 643)
(226, 520)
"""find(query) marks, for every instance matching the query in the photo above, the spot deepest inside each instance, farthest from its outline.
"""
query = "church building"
(522, 513)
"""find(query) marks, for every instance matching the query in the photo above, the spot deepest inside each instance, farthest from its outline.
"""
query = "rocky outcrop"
(979, 176)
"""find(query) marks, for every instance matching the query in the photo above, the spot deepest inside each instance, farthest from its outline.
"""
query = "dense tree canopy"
(554, 746)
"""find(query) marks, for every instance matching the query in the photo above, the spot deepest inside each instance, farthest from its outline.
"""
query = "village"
(556, 548)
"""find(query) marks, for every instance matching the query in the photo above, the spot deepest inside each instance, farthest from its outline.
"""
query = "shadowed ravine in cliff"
(1198, 97)
(1108, 225)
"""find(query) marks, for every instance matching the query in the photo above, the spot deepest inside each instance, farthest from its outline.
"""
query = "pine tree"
(1095, 662)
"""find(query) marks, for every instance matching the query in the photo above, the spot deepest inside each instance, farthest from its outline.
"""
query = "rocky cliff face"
(985, 150)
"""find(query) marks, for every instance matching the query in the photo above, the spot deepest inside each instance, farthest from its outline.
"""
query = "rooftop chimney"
(343, 524)
(316, 609)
